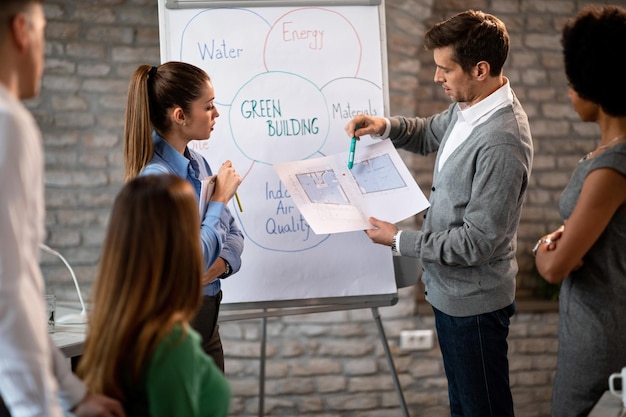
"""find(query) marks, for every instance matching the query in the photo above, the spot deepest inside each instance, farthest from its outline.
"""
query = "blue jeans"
(474, 351)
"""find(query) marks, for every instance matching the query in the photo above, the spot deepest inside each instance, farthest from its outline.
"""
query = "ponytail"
(152, 93)
(138, 146)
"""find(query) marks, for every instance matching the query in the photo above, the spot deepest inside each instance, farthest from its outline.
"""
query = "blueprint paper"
(335, 199)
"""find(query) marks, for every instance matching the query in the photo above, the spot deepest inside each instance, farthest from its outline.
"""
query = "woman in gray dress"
(587, 254)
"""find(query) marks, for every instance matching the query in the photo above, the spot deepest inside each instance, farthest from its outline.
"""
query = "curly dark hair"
(594, 59)
(475, 36)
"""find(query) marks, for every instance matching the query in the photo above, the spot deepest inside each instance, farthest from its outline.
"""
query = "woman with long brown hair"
(140, 348)
(168, 107)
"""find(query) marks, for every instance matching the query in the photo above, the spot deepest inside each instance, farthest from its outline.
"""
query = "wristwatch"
(227, 271)
(394, 243)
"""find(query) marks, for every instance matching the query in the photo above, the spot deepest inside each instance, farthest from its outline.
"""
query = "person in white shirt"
(34, 377)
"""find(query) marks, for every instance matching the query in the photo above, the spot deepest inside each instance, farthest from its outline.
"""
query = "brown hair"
(10, 9)
(148, 280)
(475, 36)
(153, 91)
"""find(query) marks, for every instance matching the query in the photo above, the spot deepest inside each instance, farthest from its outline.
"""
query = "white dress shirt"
(471, 116)
(34, 377)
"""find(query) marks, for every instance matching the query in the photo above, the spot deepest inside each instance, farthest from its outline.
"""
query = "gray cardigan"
(467, 244)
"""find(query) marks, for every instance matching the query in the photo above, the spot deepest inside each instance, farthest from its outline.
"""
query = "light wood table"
(608, 406)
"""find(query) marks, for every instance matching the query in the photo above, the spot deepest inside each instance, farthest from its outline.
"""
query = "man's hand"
(383, 233)
(96, 405)
(367, 125)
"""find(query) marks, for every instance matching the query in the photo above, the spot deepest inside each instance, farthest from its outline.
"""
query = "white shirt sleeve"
(30, 369)
(385, 134)
(71, 389)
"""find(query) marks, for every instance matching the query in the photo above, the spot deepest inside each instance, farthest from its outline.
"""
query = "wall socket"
(417, 339)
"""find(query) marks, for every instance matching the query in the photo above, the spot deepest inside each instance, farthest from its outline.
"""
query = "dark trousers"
(4, 412)
(474, 351)
(205, 323)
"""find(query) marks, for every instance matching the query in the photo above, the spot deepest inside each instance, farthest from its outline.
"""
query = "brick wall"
(327, 364)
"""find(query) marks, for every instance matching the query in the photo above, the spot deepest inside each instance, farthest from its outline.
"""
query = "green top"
(181, 380)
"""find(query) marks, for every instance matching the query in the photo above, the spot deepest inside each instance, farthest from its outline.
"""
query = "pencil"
(238, 202)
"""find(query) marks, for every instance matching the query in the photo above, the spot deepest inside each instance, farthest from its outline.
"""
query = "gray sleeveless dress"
(592, 305)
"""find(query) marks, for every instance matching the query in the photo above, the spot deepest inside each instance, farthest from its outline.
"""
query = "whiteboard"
(287, 79)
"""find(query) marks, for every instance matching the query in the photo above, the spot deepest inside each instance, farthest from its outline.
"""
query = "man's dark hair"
(475, 36)
(594, 61)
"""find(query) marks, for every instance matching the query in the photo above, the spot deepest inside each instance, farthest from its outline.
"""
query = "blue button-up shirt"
(219, 235)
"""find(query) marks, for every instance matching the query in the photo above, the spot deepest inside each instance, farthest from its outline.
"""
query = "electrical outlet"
(417, 339)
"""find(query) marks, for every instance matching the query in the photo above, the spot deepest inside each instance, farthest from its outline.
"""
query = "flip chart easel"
(406, 273)
(288, 76)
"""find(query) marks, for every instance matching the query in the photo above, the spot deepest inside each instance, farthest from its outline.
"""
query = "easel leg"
(262, 367)
(392, 368)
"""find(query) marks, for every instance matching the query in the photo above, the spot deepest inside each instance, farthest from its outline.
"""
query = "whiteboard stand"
(262, 366)
(406, 274)
(263, 341)
(392, 366)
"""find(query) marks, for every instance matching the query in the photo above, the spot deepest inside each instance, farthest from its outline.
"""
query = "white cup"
(622, 392)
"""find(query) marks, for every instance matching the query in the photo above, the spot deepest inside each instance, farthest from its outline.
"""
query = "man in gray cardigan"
(467, 243)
